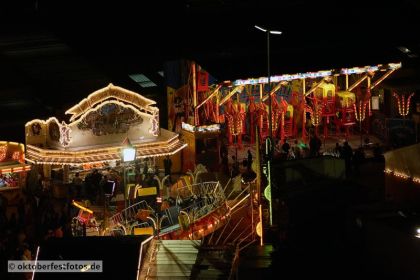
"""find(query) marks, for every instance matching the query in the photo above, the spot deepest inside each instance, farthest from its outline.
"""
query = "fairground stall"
(333, 102)
(92, 142)
(13, 170)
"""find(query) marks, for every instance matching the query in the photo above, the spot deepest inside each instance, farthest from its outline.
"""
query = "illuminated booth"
(95, 135)
(12, 166)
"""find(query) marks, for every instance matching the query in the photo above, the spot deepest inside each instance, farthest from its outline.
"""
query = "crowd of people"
(297, 149)
(37, 217)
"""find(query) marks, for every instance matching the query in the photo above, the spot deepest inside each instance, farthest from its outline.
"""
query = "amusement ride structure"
(322, 99)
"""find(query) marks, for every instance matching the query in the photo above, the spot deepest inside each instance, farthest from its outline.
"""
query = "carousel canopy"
(98, 127)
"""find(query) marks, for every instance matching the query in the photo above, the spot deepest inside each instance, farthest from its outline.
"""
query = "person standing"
(296, 150)
(249, 160)
(338, 150)
(77, 183)
(285, 149)
(167, 164)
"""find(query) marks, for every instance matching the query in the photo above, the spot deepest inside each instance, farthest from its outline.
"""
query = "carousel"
(99, 128)
(331, 102)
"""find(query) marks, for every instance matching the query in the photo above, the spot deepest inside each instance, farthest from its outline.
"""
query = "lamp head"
(275, 32)
(129, 154)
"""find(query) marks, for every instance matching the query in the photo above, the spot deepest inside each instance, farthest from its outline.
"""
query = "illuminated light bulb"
(418, 233)
(16, 155)
(403, 103)
(3, 152)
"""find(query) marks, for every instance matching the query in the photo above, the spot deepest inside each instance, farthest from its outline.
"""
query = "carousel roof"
(110, 92)
(167, 143)
(97, 129)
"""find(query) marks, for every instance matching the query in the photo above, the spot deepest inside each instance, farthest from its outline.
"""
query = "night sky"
(54, 53)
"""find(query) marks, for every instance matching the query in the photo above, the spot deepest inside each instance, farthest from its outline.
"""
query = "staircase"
(170, 259)
(213, 263)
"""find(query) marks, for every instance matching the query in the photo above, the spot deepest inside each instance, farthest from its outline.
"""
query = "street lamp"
(270, 121)
(269, 141)
(128, 155)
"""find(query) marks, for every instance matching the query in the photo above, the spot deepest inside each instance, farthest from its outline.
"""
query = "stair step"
(177, 246)
(180, 268)
(172, 242)
(176, 255)
(171, 277)
(171, 273)
(176, 252)
(167, 262)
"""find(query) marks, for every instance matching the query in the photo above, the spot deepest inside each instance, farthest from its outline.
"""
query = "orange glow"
(16, 155)
(82, 207)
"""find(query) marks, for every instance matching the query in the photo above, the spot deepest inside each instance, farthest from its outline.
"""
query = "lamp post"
(128, 155)
(269, 140)
(268, 32)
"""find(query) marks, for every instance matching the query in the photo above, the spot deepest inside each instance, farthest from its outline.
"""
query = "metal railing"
(128, 215)
(195, 200)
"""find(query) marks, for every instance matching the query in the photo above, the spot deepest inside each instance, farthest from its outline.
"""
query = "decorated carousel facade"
(97, 132)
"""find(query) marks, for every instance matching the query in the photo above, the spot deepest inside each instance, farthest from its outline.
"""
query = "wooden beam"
(215, 91)
(235, 90)
(314, 88)
(194, 84)
(378, 81)
(276, 88)
(304, 86)
(347, 81)
(358, 82)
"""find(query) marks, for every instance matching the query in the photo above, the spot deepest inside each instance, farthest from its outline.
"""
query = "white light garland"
(318, 74)
(111, 91)
(402, 175)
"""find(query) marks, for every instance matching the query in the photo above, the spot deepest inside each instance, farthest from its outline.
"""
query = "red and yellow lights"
(403, 103)
(360, 110)
(316, 116)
